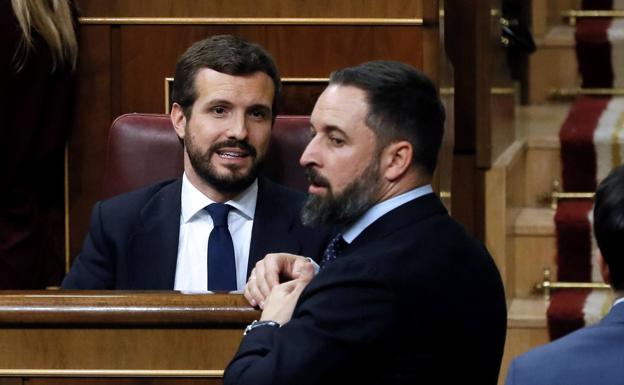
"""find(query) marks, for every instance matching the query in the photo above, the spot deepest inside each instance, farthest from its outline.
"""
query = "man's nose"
(310, 155)
(238, 128)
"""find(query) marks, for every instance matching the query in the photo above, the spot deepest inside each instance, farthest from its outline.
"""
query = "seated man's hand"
(280, 303)
(268, 272)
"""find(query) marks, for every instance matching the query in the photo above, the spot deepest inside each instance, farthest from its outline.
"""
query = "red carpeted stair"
(582, 168)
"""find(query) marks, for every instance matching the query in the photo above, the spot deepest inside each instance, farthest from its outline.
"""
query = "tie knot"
(219, 213)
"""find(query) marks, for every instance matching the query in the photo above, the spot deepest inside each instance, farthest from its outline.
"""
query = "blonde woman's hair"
(52, 19)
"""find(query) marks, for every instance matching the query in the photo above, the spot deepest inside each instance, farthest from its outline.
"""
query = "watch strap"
(257, 324)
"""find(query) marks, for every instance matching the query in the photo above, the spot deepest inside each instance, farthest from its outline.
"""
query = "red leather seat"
(144, 149)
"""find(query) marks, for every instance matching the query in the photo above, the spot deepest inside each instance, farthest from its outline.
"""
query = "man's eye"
(258, 114)
(219, 110)
(336, 141)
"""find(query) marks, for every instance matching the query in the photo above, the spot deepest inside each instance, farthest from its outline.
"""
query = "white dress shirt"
(195, 227)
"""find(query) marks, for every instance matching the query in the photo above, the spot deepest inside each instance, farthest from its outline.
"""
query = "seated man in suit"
(595, 354)
(206, 230)
(404, 295)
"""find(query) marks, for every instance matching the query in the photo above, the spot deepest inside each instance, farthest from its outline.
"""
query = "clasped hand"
(277, 300)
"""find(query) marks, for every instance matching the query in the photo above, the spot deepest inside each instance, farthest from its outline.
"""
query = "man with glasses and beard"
(403, 295)
(205, 231)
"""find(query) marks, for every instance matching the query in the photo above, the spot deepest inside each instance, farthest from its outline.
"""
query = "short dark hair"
(609, 224)
(227, 54)
(403, 105)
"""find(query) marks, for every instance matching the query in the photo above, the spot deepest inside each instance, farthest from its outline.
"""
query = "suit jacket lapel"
(272, 224)
(153, 250)
(413, 211)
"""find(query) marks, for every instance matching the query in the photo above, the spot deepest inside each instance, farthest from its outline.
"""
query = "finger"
(253, 293)
(263, 270)
(285, 288)
(301, 265)
(305, 272)
(274, 265)
(248, 292)
(249, 297)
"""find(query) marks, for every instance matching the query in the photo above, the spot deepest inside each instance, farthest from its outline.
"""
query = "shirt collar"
(381, 208)
(617, 301)
(194, 201)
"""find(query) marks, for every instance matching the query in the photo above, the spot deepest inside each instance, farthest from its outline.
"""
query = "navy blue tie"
(221, 265)
(333, 250)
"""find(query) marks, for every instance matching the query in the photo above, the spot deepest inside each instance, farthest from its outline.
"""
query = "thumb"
(286, 287)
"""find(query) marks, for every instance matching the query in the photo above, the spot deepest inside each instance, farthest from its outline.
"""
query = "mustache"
(315, 178)
(233, 143)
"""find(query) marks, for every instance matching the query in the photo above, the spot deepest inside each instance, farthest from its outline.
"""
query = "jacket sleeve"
(334, 325)
(94, 268)
(511, 373)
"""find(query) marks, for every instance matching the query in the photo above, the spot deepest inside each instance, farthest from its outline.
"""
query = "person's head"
(224, 97)
(376, 133)
(609, 225)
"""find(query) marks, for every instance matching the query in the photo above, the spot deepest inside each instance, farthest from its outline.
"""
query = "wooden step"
(553, 65)
(540, 125)
(526, 328)
(533, 221)
(534, 248)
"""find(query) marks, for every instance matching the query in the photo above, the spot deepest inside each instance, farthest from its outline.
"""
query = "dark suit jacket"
(133, 238)
(414, 299)
(589, 356)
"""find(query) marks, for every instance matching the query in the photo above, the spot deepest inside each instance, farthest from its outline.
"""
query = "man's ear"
(604, 268)
(396, 159)
(178, 119)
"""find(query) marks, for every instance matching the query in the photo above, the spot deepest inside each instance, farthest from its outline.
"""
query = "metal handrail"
(547, 285)
(557, 194)
(573, 14)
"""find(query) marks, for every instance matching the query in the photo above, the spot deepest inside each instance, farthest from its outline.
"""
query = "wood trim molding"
(248, 21)
(305, 80)
(108, 373)
(123, 308)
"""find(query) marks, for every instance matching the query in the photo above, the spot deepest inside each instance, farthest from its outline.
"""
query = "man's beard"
(347, 207)
(233, 182)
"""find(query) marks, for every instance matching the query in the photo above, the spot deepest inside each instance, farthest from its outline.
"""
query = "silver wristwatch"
(257, 324)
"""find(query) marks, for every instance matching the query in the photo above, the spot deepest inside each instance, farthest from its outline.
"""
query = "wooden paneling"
(254, 8)
(86, 333)
(464, 193)
(504, 195)
(444, 171)
(483, 119)
(120, 348)
(122, 67)
(299, 98)
(535, 248)
(316, 58)
(502, 111)
(86, 152)
(120, 331)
